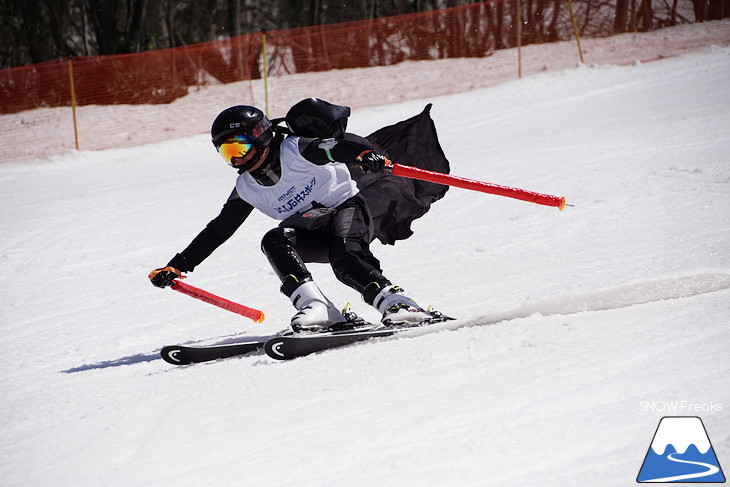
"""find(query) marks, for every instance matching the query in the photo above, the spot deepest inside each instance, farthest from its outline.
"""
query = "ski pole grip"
(194, 292)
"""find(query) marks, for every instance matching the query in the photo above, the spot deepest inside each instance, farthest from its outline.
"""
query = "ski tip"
(273, 348)
(260, 317)
(171, 355)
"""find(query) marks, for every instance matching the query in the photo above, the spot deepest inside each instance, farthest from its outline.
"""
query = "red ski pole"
(254, 314)
(459, 182)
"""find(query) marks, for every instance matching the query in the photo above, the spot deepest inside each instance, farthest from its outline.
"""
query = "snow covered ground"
(572, 324)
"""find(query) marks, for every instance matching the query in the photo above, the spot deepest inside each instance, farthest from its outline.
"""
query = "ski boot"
(398, 308)
(315, 312)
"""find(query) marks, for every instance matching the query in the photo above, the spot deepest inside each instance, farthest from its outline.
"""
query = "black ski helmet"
(242, 119)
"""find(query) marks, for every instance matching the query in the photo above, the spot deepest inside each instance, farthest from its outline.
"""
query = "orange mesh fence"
(133, 99)
(150, 77)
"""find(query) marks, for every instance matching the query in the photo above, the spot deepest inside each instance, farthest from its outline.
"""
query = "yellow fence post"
(575, 29)
(73, 101)
(266, 69)
(519, 39)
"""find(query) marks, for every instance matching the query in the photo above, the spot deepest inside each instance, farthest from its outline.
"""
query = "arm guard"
(323, 151)
(221, 228)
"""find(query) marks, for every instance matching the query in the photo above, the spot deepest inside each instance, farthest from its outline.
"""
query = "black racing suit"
(340, 236)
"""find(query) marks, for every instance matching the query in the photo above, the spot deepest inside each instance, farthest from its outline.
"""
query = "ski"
(293, 346)
(289, 347)
(182, 355)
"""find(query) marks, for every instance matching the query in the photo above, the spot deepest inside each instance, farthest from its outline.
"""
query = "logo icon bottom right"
(681, 452)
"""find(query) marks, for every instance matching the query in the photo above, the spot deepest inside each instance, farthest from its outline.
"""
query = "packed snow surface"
(577, 330)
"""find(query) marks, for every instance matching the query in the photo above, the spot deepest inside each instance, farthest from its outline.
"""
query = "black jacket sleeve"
(323, 151)
(234, 213)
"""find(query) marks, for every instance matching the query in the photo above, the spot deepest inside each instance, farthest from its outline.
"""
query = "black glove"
(164, 276)
(371, 161)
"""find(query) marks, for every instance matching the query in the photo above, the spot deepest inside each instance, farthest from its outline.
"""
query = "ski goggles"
(236, 146)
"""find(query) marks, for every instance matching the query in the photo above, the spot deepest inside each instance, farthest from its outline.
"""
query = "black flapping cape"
(396, 201)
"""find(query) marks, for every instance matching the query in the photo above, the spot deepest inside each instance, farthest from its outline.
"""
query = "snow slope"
(571, 322)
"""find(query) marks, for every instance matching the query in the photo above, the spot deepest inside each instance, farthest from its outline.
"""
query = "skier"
(304, 182)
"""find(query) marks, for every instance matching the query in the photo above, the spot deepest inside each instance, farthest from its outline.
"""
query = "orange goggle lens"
(237, 146)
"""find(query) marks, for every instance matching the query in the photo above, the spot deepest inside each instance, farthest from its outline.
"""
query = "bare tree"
(620, 21)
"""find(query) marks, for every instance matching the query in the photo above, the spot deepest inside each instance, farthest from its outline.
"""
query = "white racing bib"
(301, 184)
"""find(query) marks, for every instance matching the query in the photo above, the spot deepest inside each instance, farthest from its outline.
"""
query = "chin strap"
(254, 160)
(273, 155)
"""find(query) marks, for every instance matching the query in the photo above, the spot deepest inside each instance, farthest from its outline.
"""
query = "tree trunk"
(499, 27)
(645, 17)
(673, 13)
(621, 16)
(716, 10)
(700, 8)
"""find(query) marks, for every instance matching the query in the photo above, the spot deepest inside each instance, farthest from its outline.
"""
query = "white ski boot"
(398, 308)
(316, 312)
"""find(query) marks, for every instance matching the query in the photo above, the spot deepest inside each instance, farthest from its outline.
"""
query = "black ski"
(181, 355)
(298, 345)
(293, 346)
(289, 346)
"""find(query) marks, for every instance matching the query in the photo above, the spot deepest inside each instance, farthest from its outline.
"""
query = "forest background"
(34, 31)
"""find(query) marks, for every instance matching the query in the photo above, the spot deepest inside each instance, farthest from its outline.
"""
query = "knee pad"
(278, 237)
(279, 247)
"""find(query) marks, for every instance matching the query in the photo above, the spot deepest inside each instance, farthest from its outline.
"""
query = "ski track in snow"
(627, 295)
(623, 296)
(620, 300)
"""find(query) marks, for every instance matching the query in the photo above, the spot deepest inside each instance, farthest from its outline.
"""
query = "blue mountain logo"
(681, 452)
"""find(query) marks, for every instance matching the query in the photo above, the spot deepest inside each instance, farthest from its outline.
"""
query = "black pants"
(340, 236)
